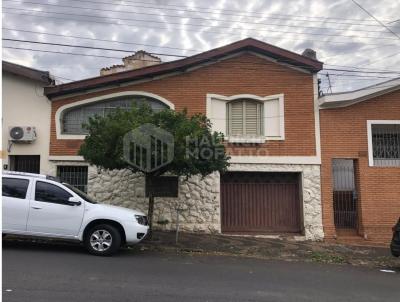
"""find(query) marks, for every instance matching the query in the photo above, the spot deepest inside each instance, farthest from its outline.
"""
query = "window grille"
(245, 118)
(386, 144)
(76, 176)
(74, 118)
(25, 163)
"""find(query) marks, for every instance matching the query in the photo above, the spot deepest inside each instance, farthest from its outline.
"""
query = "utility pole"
(329, 83)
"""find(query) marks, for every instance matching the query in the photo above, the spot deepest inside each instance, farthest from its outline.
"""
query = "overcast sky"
(340, 31)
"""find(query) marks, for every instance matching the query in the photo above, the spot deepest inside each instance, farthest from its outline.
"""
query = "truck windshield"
(80, 193)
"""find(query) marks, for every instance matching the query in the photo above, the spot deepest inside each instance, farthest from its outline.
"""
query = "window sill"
(246, 140)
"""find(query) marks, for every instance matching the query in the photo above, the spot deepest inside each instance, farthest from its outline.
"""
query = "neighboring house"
(26, 112)
(263, 98)
(360, 139)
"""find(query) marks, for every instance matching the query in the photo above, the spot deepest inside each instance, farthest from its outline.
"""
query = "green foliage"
(197, 150)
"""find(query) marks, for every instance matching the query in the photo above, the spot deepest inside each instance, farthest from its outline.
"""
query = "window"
(385, 144)
(81, 194)
(48, 192)
(76, 176)
(72, 119)
(25, 163)
(245, 118)
(15, 187)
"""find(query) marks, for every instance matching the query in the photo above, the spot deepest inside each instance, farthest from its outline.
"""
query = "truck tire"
(102, 240)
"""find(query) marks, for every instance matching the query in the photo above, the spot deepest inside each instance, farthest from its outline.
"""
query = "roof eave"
(181, 65)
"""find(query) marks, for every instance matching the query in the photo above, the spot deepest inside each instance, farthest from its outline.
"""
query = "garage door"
(260, 202)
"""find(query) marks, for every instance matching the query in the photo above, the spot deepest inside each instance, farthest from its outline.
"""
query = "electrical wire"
(176, 23)
(195, 18)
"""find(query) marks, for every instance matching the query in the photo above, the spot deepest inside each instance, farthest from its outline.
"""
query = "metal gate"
(345, 205)
(260, 203)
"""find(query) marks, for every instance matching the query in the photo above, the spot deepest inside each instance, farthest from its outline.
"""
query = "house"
(360, 141)
(263, 98)
(26, 112)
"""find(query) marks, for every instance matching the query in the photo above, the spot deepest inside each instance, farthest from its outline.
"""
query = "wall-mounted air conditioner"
(22, 134)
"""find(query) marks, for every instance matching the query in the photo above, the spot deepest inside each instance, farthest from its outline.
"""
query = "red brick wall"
(246, 74)
(344, 135)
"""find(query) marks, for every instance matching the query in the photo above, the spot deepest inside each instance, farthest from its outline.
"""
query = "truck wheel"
(102, 240)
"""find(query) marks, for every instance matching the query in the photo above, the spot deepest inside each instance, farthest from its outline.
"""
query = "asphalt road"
(36, 272)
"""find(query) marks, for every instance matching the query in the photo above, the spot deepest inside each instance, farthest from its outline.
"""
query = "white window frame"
(263, 100)
(59, 112)
(369, 133)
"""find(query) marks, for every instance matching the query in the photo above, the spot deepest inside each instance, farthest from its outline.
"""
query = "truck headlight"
(141, 219)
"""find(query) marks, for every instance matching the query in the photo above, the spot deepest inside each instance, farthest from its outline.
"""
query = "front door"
(345, 205)
(50, 213)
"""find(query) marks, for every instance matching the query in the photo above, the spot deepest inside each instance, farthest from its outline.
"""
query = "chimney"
(138, 60)
(310, 53)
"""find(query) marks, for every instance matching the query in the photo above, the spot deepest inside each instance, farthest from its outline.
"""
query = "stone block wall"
(198, 201)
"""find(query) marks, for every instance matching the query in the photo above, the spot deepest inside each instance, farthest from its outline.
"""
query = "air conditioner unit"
(22, 134)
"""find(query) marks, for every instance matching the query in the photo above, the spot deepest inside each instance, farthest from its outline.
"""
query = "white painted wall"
(25, 105)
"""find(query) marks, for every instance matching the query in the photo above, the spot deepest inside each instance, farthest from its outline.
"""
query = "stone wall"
(198, 200)
(311, 184)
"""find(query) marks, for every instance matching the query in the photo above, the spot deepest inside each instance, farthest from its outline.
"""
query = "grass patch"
(322, 257)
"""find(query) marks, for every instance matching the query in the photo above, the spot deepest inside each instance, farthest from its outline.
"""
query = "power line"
(197, 9)
(245, 67)
(188, 30)
(60, 52)
(176, 23)
(358, 71)
(88, 47)
(150, 45)
(95, 39)
(373, 17)
(196, 18)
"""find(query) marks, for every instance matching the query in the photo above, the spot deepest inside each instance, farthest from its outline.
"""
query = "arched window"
(73, 118)
(244, 118)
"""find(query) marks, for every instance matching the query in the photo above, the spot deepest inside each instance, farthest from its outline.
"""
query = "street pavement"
(38, 272)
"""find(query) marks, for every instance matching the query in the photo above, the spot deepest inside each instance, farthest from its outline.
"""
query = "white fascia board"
(356, 96)
(295, 160)
(66, 158)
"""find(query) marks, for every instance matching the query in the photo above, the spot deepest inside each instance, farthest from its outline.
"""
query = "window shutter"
(252, 118)
(236, 118)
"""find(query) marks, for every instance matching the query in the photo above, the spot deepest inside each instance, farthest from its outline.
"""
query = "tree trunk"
(151, 206)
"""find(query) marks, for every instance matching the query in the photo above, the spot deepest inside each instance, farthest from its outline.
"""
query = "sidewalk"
(266, 248)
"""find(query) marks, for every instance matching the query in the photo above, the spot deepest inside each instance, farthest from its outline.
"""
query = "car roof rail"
(43, 176)
(24, 174)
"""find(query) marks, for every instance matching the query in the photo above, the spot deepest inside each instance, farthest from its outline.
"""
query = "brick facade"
(244, 74)
(344, 135)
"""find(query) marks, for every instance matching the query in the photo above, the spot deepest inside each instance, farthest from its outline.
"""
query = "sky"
(344, 36)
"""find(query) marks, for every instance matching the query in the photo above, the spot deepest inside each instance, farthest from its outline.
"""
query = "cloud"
(186, 27)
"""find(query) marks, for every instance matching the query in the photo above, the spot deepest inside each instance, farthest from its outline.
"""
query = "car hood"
(116, 209)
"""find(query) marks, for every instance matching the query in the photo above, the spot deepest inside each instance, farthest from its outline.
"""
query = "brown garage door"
(260, 202)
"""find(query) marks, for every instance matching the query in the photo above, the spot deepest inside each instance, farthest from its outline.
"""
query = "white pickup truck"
(40, 206)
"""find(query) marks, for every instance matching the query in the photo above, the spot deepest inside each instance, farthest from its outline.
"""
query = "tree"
(196, 149)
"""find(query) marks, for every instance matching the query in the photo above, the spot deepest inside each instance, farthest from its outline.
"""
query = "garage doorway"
(253, 202)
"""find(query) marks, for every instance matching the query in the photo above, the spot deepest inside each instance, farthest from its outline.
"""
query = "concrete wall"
(25, 105)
